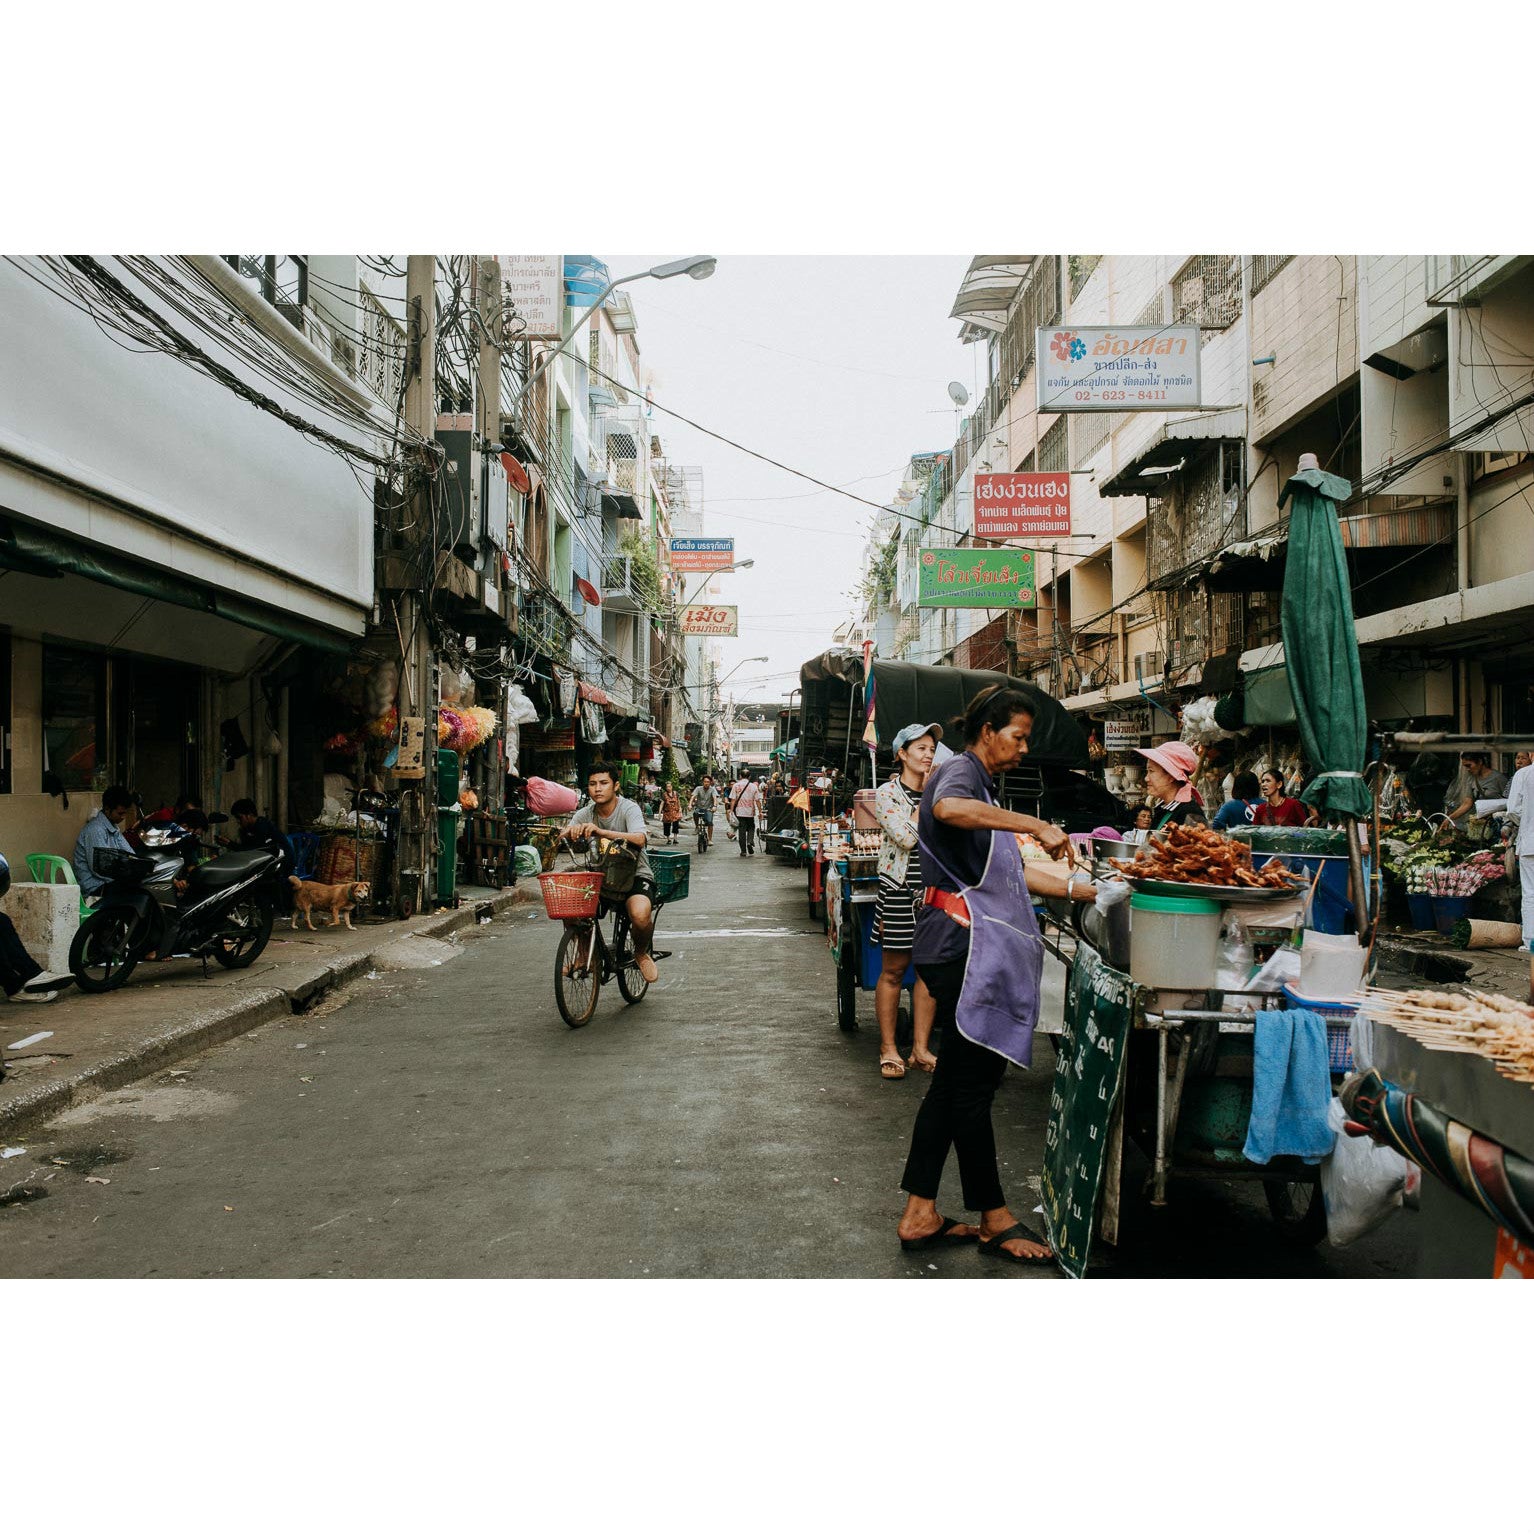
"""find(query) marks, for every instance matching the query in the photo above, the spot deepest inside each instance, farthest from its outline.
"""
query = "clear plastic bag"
(1361, 1182)
(1235, 959)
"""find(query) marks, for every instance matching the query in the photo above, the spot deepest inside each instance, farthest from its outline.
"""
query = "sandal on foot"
(939, 1237)
(992, 1246)
(891, 1070)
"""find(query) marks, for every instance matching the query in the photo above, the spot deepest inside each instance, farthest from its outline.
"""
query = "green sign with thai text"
(1089, 1074)
(977, 578)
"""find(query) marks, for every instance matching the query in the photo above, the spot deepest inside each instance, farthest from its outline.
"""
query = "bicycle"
(705, 824)
(597, 944)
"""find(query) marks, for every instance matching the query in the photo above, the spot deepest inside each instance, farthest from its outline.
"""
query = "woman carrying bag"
(900, 892)
(978, 949)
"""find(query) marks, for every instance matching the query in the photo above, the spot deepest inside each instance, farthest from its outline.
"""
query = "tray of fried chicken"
(1186, 860)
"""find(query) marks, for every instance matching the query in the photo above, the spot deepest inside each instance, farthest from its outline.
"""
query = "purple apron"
(999, 1002)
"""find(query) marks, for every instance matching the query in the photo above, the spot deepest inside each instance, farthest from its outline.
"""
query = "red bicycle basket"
(571, 896)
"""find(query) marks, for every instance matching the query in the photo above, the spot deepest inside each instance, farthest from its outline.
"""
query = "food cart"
(1169, 1067)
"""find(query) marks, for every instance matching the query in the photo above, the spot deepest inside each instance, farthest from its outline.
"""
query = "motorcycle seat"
(230, 868)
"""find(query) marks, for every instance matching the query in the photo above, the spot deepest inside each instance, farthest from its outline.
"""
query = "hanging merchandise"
(520, 709)
(568, 691)
(514, 749)
(593, 725)
(462, 729)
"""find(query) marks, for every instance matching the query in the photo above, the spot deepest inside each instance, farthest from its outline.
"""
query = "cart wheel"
(905, 1029)
(1298, 1210)
(847, 991)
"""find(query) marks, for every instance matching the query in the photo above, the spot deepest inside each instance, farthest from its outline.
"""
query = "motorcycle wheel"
(101, 957)
(246, 931)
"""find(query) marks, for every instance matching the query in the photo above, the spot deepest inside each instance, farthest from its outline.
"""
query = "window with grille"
(1081, 269)
(1089, 431)
(283, 281)
(1038, 305)
(1265, 269)
(1207, 292)
(1154, 313)
(1055, 449)
(1026, 466)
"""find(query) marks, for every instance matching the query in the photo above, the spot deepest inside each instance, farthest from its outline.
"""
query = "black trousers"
(746, 825)
(957, 1108)
(16, 964)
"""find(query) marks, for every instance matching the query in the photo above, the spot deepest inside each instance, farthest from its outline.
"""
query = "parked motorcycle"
(223, 911)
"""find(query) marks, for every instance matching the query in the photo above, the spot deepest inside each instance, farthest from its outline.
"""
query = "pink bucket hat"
(1175, 758)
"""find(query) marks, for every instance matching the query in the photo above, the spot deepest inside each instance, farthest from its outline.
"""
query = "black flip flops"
(939, 1237)
(994, 1248)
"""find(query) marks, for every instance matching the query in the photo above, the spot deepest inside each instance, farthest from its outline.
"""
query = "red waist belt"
(950, 904)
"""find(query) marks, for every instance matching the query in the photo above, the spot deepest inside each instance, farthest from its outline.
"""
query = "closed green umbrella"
(1321, 644)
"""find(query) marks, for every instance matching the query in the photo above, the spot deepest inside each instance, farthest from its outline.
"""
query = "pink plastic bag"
(546, 798)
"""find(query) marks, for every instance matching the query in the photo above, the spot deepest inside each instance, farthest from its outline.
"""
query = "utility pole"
(417, 836)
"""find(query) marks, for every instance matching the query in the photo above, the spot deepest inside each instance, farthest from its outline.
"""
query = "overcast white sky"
(836, 365)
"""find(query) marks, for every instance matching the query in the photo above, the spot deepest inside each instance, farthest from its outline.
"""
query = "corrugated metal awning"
(1179, 439)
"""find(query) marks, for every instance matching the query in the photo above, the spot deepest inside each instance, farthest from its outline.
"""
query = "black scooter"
(224, 910)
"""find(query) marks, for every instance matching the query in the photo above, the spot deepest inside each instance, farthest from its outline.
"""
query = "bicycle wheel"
(577, 991)
(702, 837)
(631, 984)
(1298, 1210)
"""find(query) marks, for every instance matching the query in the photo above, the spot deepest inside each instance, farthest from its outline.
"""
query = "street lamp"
(696, 267)
(740, 564)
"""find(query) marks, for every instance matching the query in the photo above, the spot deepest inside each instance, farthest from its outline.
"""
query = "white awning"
(985, 295)
(1179, 439)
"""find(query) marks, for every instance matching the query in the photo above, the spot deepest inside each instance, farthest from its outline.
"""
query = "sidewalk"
(95, 1044)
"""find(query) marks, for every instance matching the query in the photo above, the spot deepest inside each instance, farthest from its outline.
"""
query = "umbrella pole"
(1358, 890)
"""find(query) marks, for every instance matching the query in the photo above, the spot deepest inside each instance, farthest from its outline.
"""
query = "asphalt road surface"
(441, 1121)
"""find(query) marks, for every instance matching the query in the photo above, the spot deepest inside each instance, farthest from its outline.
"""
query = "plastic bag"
(1282, 969)
(1361, 1182)
(1235, 959)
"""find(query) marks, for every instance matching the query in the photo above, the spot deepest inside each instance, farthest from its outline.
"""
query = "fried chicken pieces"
(1197, 855)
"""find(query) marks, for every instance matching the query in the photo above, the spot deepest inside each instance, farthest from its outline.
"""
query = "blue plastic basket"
(1339, 1028)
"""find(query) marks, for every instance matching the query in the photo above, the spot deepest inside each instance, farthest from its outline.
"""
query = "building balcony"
(621, 591)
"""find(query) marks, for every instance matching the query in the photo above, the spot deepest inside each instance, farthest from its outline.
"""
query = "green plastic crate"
(672, 872)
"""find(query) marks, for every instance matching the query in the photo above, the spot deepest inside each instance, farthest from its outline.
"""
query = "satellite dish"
(958, 394)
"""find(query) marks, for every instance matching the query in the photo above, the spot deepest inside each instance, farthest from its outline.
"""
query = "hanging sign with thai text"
(976, 578)
(702, 553)
(1022, 505)
(535, 286)
(706, 618)
(1118, 367)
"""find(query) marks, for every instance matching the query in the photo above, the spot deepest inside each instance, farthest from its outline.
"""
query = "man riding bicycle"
(621, 820)
(702, 806)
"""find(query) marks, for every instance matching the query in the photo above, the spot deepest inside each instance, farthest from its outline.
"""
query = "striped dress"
(895, 921)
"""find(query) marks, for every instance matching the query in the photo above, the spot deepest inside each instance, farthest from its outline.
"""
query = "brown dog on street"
(338, 899)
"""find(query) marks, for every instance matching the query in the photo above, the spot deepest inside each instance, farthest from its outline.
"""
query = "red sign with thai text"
(1023, 505)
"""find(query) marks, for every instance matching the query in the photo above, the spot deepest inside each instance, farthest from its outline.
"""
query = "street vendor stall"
(1448, 1082)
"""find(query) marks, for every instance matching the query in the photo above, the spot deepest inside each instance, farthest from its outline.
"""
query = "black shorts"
(640, 886)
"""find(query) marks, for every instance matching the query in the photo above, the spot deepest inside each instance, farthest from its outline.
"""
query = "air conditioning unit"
(1149, 666)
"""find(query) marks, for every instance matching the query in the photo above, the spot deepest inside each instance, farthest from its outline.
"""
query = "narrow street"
(445, 1123)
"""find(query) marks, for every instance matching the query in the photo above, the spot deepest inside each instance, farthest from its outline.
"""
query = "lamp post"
(696, 267)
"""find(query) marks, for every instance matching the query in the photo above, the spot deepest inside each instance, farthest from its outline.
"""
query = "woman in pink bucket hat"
(1169, 771)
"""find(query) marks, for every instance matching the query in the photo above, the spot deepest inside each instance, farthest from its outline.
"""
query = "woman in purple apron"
(978, 950)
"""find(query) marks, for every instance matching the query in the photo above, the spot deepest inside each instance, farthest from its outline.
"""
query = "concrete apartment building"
(1411, 376)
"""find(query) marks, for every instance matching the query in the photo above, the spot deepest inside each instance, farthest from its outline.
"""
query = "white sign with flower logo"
(1118, 367)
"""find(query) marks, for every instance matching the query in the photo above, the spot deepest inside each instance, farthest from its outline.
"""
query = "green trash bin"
(447, 855)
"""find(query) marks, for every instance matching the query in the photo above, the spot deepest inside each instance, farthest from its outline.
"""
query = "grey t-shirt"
(626, 816)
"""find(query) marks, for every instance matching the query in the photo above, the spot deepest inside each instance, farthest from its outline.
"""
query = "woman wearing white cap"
(1169, 773)
(900, 896)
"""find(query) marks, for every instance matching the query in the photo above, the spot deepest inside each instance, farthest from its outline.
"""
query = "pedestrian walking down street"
(745, 801)
(900, 893)
(670, 813)
(978, 949)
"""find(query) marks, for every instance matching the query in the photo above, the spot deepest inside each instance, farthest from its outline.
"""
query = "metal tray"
(1230, 892)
